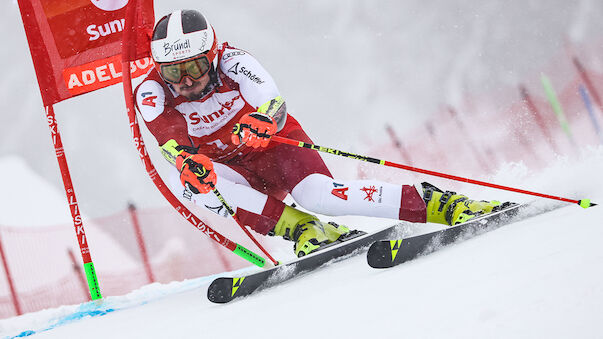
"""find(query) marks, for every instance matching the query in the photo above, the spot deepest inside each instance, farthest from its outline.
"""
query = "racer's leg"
(304, 174)
(322, 194)
(255, 209)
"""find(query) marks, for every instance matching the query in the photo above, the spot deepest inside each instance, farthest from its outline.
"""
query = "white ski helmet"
(182, 35)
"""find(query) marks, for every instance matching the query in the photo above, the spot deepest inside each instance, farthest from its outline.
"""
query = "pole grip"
(236, 219)
(92, 281)
(249, 256)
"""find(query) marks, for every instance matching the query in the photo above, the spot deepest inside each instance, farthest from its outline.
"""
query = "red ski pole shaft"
(583, 202)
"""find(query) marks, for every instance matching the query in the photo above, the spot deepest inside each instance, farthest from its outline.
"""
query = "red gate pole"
(9, 278)
(73, 205)
(141, 244)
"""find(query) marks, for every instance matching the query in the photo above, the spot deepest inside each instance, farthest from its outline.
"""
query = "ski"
(226, 289)
(388, 253)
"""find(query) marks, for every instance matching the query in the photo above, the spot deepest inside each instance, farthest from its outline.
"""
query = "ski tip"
(586, 203)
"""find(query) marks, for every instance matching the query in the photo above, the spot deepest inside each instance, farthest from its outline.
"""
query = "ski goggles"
(174, 72)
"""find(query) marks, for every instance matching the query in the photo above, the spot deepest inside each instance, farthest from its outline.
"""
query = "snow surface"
(32, 189)
(538, 278)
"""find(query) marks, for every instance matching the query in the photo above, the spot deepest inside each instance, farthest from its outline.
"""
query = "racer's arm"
(196, 170)
(171, 131)
(170, 125)
(259, 89)
(255, 83)
(163, 121)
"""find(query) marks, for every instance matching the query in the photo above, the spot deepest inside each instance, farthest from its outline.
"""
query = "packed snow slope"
(538, 278)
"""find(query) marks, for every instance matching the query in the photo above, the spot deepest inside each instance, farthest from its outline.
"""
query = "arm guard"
(276, 109)
(170, 150)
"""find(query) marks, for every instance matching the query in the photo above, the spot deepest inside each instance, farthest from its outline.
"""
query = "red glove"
(254, 130)
(196, 172)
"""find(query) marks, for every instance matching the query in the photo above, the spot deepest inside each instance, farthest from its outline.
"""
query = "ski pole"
(584, 203)
(236, 218)
(203, 173)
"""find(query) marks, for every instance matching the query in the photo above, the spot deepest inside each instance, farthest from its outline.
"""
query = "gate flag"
(75, 45)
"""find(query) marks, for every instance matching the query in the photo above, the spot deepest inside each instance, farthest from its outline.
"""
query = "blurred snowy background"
(346, 68)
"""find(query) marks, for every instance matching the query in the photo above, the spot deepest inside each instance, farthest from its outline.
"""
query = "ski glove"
(196, 172)
(254, 130)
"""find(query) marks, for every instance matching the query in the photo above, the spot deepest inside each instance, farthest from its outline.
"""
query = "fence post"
(227, 266)
(472, 145)
(442, 157)
(141, 244)
(591, 112)
(527, 99)
(589, 84)
(557, 109)
(79, 273)
(399, 145)
(9, 278)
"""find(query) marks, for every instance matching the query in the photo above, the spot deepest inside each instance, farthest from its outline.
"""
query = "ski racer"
(213, 109)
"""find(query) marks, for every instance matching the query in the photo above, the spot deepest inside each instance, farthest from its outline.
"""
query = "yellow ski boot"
(450, 208)
(308, 233)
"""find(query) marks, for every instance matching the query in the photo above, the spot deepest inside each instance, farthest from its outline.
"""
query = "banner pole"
(93, 285)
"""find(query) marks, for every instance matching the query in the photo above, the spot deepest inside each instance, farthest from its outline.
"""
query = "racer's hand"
(196, 172)
(254, 130)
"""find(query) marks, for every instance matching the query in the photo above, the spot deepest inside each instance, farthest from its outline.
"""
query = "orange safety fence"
(44, 274)
(474, 137)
